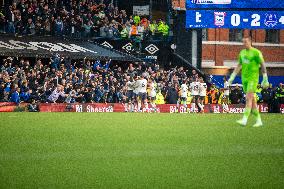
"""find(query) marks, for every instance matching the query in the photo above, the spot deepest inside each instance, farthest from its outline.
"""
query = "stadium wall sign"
(117, 107)
(48, 46)
(150, 50)
(45, 47)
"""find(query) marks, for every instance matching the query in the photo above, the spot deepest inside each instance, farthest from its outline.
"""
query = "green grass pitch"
(121, 150)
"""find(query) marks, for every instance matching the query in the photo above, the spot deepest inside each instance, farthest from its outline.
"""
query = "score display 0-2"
(235, 19)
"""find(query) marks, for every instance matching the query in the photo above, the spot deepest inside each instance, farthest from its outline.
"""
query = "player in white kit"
(142, 92)
(130, 95)
(183, 94)
(194, 86)
(152, 93)
(202, 94)
(135, 90)
(225, 100)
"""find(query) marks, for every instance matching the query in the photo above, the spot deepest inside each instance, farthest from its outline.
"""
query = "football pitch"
(123, 150)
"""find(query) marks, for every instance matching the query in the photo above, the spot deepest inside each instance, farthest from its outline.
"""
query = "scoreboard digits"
(235, 19)
(234, 4)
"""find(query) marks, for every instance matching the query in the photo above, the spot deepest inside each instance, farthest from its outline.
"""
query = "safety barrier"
(117, 107)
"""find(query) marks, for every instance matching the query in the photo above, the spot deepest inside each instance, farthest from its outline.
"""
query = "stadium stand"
(88, 81)
(78, 19)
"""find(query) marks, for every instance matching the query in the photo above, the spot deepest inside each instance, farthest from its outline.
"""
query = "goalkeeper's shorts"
(250, 86)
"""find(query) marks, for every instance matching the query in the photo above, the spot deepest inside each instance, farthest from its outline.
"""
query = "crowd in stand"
(87, 81)
(80, 81)
(76, 19)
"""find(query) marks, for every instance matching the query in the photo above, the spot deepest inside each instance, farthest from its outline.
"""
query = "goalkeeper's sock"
(256, 113)
(246, 113)
(244, 120)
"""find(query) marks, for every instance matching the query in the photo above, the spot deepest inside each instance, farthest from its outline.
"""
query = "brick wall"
(220, 52)
(228, 71)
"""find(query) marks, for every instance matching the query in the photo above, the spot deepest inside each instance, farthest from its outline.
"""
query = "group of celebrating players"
(141, 90)
(250, 61)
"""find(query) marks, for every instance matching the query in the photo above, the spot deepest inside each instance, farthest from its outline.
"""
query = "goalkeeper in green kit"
(250, 59)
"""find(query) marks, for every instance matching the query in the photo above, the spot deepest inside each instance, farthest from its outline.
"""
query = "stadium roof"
(45, 47)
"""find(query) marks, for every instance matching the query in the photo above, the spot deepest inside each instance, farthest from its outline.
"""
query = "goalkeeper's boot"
(243, 121)
(258, 123)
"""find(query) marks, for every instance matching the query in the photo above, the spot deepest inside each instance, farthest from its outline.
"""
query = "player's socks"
(178, 104)
(184, 104)
(247, 113)
(139, 106)
(193, 107)
(153, 106)
(227, 107)
(131, 107)
(256, 113)
(244, 120)
(258, 123)
(146, 105)
(223, 106)
(126, 107)
(200, 106)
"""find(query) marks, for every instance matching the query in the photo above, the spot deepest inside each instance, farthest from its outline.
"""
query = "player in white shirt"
(225, 100)
(202, 93)
(152, 93)
(183, 93)
(135, 90)
(141, 85)
(130, 94)
(194, 86)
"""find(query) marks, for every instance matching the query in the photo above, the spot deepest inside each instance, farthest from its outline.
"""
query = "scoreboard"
(241, 14)
(235, 19)
(234, 4)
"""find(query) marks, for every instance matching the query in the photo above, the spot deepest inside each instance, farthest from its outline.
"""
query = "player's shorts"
(250, 86)
(201, 97)
(195, 97)
(142, 96)
(183, 98)
(153, 98)
(135, 95)
(130, 95)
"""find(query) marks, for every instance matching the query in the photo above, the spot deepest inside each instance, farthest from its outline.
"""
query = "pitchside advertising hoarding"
(234, 4)
(120, 107)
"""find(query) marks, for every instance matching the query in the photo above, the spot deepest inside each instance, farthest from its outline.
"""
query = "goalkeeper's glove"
(265, 83)
(232, 77)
